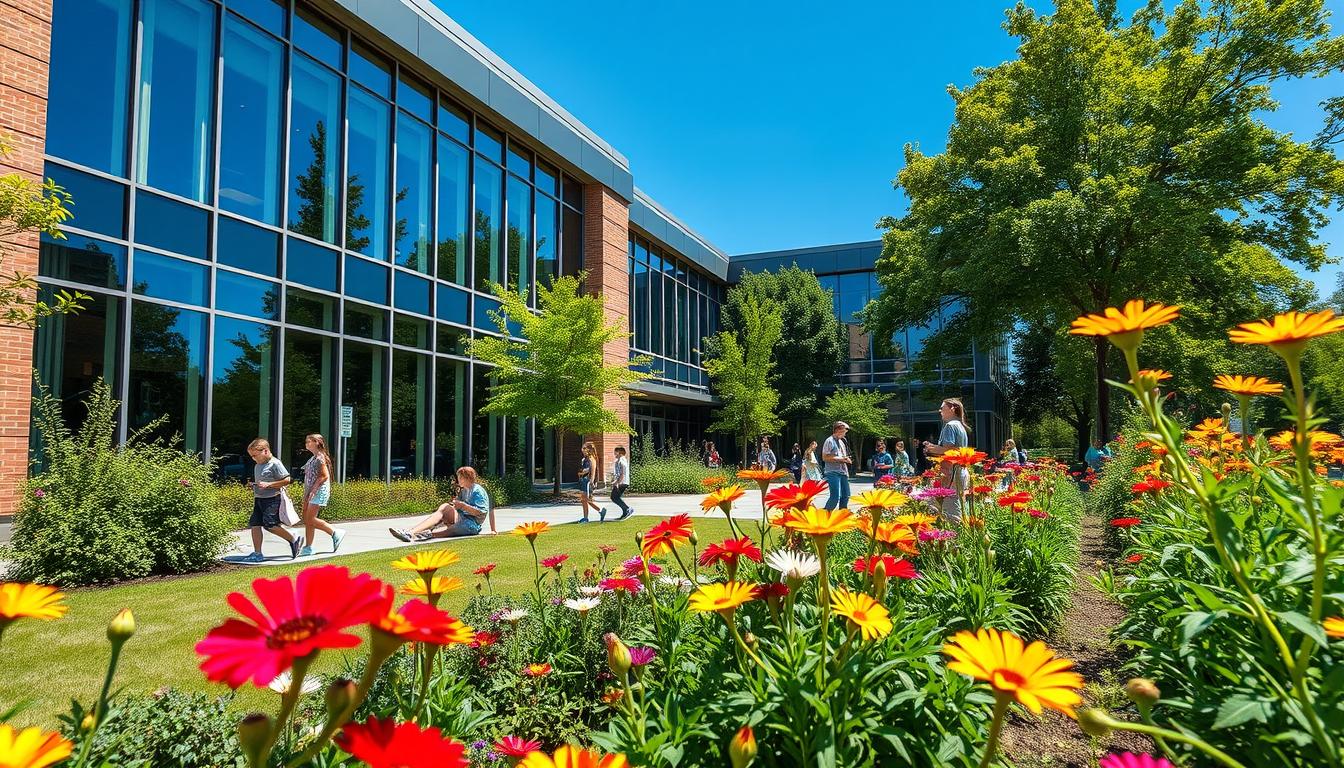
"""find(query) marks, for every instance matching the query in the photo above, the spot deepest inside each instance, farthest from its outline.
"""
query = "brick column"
(25, 50)
(606, 237)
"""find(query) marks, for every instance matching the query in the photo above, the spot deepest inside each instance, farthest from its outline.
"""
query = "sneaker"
(255, 557)
(337, 536)
(401, 533)
(602, 515)
(581, 520)
(628, 512)
(423, 536)
(306, 552)
(294, 545)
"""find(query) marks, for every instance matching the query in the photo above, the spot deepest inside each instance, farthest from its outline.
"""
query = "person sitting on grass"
(269, 478)
(462, 516)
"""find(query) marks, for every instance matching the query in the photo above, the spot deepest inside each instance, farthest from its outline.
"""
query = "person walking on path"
(587, 473)
(712, 458)
(901, 466)
(269, 478)
(463, 516)
(1098, 454)
(811, 467)
(620, 480)
(882, 462)
(766, 458)
(954, 435)
(317, 494)
(835, 454)
(796, 463)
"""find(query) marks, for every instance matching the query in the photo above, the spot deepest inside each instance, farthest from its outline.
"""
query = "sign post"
(347, 428)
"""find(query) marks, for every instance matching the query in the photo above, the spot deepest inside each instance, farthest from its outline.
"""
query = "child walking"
(620, 480)
(317, 474)
(269, 478)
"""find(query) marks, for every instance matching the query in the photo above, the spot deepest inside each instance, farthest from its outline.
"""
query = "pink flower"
(554, 561)
(641, 655)
(1131, 760)
(937, 534)
(627, 584)
(39, 493)
(634, 567)
(924, 494)
(184, 482)
(606, 549)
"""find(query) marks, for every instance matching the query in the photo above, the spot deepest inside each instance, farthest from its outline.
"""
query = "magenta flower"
(924, 494)
(634, 567)
(39, 493)
(641, 655)
(937, 534)
(1131, 760)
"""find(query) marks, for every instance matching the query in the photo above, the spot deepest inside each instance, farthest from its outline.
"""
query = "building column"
(25, 50)
(606, 237)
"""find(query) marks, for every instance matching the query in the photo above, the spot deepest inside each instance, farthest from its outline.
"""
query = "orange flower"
(1149, 378)
(1125, 327)
(664, 536)
(537, 670)
(33, 601)
(1334, 626)
(895, 535)
(763, 477)
(418, 622)
(722, 498)
(532, 530)
(1320, 441)
(822, 522)
(1247, 385)
(964, 457)
(31, 748)
(1288, 331)
(574, 757)
(880, 498)
(722, 598)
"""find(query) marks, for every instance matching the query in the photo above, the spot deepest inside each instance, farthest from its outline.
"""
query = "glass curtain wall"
(242, 171)
(672, 309)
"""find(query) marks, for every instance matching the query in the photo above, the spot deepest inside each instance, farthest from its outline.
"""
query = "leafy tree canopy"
(865, 413)
(741, 365)
(26, 206)
(1114, 160)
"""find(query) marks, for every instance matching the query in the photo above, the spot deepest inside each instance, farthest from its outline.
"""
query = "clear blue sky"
(769, 126)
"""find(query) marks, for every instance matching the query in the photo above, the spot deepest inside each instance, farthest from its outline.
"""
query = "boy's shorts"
(265, 513)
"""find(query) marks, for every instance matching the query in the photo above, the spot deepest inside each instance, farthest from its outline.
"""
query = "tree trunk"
(1102, 347)
(559, 460)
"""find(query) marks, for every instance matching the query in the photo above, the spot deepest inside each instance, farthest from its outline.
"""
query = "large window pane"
(655, 305)
(364, 385)
(520, 235)
(454, 199)
(164, 223)
(241, 406)
(412, 293)
(683, 324)
(314, 149)
(84, 260)
(309, 393)
(548, 241)
(365, 280)
(449, 400)
(368, 322)
(485, 428)
(367, 176)
(251, 106)
(167, 372)
(89, 82)
(318, 37)
(311, 265)
(247, 247)
(71, 351)
(410, 414)
(164, 277)
(244, 295)
(670, 329)
(100, 204)
(571, 250)
(640, 290)
(489, 220)
(370, 70)
(414, 187)
(315, 310)
(177, 74)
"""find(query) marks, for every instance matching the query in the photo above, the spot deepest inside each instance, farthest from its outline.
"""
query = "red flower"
(896, 567)
(382, 743)
(1031, 478)
(1039, 514)
(516, 746)
(484, 639)
(626, 584)
(981, 490)
(484, 570)
(794, 496)
(1133, 558)
(1151, 485)
(730, 550)
(606, 549)
(554, 561)
(297, 617)
(419, 622)
(1125, 522)
(1021, 498)
(537, 670)
(667, 534)
(771, 590)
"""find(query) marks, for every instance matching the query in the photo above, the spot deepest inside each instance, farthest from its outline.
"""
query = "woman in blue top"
(463, 515)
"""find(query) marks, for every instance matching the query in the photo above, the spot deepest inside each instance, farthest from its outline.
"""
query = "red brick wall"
(606, 227)
(25, 45)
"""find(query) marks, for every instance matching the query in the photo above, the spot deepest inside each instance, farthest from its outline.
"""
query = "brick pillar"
(606, 237)
(25, 49)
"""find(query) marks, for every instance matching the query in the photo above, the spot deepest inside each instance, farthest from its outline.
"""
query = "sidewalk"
(372, 535)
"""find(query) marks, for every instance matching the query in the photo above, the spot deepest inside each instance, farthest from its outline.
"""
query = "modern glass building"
(285, 208)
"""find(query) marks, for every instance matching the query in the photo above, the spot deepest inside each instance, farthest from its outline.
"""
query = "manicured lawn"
(48, 663)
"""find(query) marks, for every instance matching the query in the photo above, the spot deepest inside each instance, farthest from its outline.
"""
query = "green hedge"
(678, 471)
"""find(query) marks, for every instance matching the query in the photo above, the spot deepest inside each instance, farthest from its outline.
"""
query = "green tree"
(1336, 300)
(26, 206)
(810, 350)
(863, 410)
(1115, 160)
(1051, 381)
(556, 375)
(741, 365)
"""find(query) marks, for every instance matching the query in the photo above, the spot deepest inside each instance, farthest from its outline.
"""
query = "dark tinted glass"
(177, 76)
(365, 389)
(411, 331)
(450, 398)
(245, 295)
(89, 82)
(310, 391)
(415, 190)
(371, 70)
(452, 304)
(412, 293)
(247, 247)
(454, 121)
(311, 265)
(83, 260)
(368, 173)
(572, 192)
(485, 428)
(489, 223)
(269, 14)
(315, 310)
(244, 367)
(548, 229)
(571, 242)
(167, 372)
(519, 239)
(172, 226)
(317, 37)
(252, 104)
(99, 204)
(366, 281)
(410, 446)
(367, 322)
(74, 350)
(548, 179)
(164, 277)
(314, 150)
(416, 97)
(453, 203)
(483, 320)
(489, 142)
(453, 340)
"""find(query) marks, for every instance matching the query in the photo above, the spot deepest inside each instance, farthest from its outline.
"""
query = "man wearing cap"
(835, 455)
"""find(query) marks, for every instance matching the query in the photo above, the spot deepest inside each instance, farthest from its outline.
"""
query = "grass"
(48, 663)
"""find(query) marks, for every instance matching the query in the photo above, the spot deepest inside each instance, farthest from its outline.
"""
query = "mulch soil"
(1053, 739)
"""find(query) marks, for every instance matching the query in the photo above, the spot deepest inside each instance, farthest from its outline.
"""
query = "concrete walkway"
(372, 535)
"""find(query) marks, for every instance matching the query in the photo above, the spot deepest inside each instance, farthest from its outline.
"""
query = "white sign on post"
(347, 420)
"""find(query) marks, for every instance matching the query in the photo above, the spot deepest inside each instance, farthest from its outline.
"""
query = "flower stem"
(1001, 702)
(1157, 732)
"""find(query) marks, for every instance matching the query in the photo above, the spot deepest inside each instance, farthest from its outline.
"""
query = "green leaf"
(1241, 709)
(1194, 623)
(1304, 625)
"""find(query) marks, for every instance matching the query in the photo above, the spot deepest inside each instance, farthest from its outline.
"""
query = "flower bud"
(1143, 692)
(880, 579)
(695, 540)
(87, 723)
(1095, 722)
(639, 539)
(985, 540)
(750, 640)
(1227, 410)
(340, 695)
(742, 749)
(991, 554)
(253, 732)
(618, 654)
(121, 627)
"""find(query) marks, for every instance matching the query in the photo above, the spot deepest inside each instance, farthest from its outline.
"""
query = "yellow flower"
(1247, 385)
(570, 756)
(822, 522)
(722, 498)
(31, 748)
(31, 601)
(864, 613)
(880, 498)
(722, 598)
(532, 530)
(1125, 327)
(1288, 331)
(438, 586)
(915, 521)
(1334, 626)
(426, 562)
(1032, 674)
(1149, 378)
(762, 476)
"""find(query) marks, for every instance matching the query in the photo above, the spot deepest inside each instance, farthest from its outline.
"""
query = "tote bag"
(288, 515)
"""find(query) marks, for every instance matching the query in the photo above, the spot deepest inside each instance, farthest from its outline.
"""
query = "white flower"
(794, 565)
(514, 616)
(281, 683)
(583, 604)
(590, 591)
(676, 582)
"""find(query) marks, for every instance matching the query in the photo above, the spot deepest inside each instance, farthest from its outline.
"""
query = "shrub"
(169, 727)
(351, 500)
(98, 512)
(513, 488)
(677, 470)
